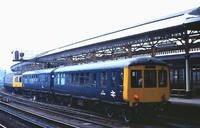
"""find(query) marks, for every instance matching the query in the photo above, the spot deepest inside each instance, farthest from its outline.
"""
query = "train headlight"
(136, 97)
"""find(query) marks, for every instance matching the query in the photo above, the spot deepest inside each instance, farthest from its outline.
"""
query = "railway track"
(31, 119)
(87, 118)
(83, 117)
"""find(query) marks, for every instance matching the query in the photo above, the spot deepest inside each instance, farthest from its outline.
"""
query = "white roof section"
(161, 23)
(39, 71)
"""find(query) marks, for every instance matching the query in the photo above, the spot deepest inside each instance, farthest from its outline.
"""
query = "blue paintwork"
(8, 81)
(38, 80)
(83, 86)
(93, 91)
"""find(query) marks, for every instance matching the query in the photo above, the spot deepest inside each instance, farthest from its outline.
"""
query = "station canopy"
(171, 26)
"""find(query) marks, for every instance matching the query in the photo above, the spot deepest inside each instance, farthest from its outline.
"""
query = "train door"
(60, 82)
(113, 84)
(57, 86)
(116, 84)
(52, 82)
(120, 79)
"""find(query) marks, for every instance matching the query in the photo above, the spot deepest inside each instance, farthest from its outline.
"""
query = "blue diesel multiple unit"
(117, 86)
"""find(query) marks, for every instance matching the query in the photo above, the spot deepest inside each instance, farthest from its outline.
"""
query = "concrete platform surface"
(185, 102)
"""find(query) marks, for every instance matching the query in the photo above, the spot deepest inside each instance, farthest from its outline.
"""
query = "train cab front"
(146, 87)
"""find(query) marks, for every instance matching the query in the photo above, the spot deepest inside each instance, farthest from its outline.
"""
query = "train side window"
(16, 79)
(42, 78)
(162, 78)
(36, 78)
(25, 79)
(67, 79)
(76, 79)
(94, 79)
(81, 79)
(72, 79)
(136, 78)
(20, 79)
(149, 78)
(103, 79)
(62, 79)
(46, 79)
(121, 79)
(87, 79)
(113, 79)
(58, 79)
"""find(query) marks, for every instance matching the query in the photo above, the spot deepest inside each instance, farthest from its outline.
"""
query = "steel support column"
(129, 52)
(187, 68)
(112, 55)
(70, 60)
(153, 51)
(94, 57)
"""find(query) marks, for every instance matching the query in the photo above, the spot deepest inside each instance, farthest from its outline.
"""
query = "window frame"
(103, 79)
(138, 78)
(147, 80)
(165, 78)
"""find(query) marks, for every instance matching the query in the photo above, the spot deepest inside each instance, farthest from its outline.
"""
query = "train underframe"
(139, 112)
(16, 90)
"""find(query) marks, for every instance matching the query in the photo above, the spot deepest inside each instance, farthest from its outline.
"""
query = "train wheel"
(69, 102)
(52, 101)
(34, 98)
(13, 93)
(62, 102)
(127, 116)
(110, 113)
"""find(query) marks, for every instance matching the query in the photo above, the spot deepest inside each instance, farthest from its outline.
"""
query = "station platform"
(195, 102)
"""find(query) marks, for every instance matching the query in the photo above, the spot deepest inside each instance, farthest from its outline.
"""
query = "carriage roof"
(122, 63)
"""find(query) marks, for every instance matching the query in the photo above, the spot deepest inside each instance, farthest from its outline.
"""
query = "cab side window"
(136, 78)
(16, 79)
(162, 78)
(20, 79)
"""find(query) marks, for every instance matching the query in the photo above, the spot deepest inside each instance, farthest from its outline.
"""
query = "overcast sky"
(47, 24)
